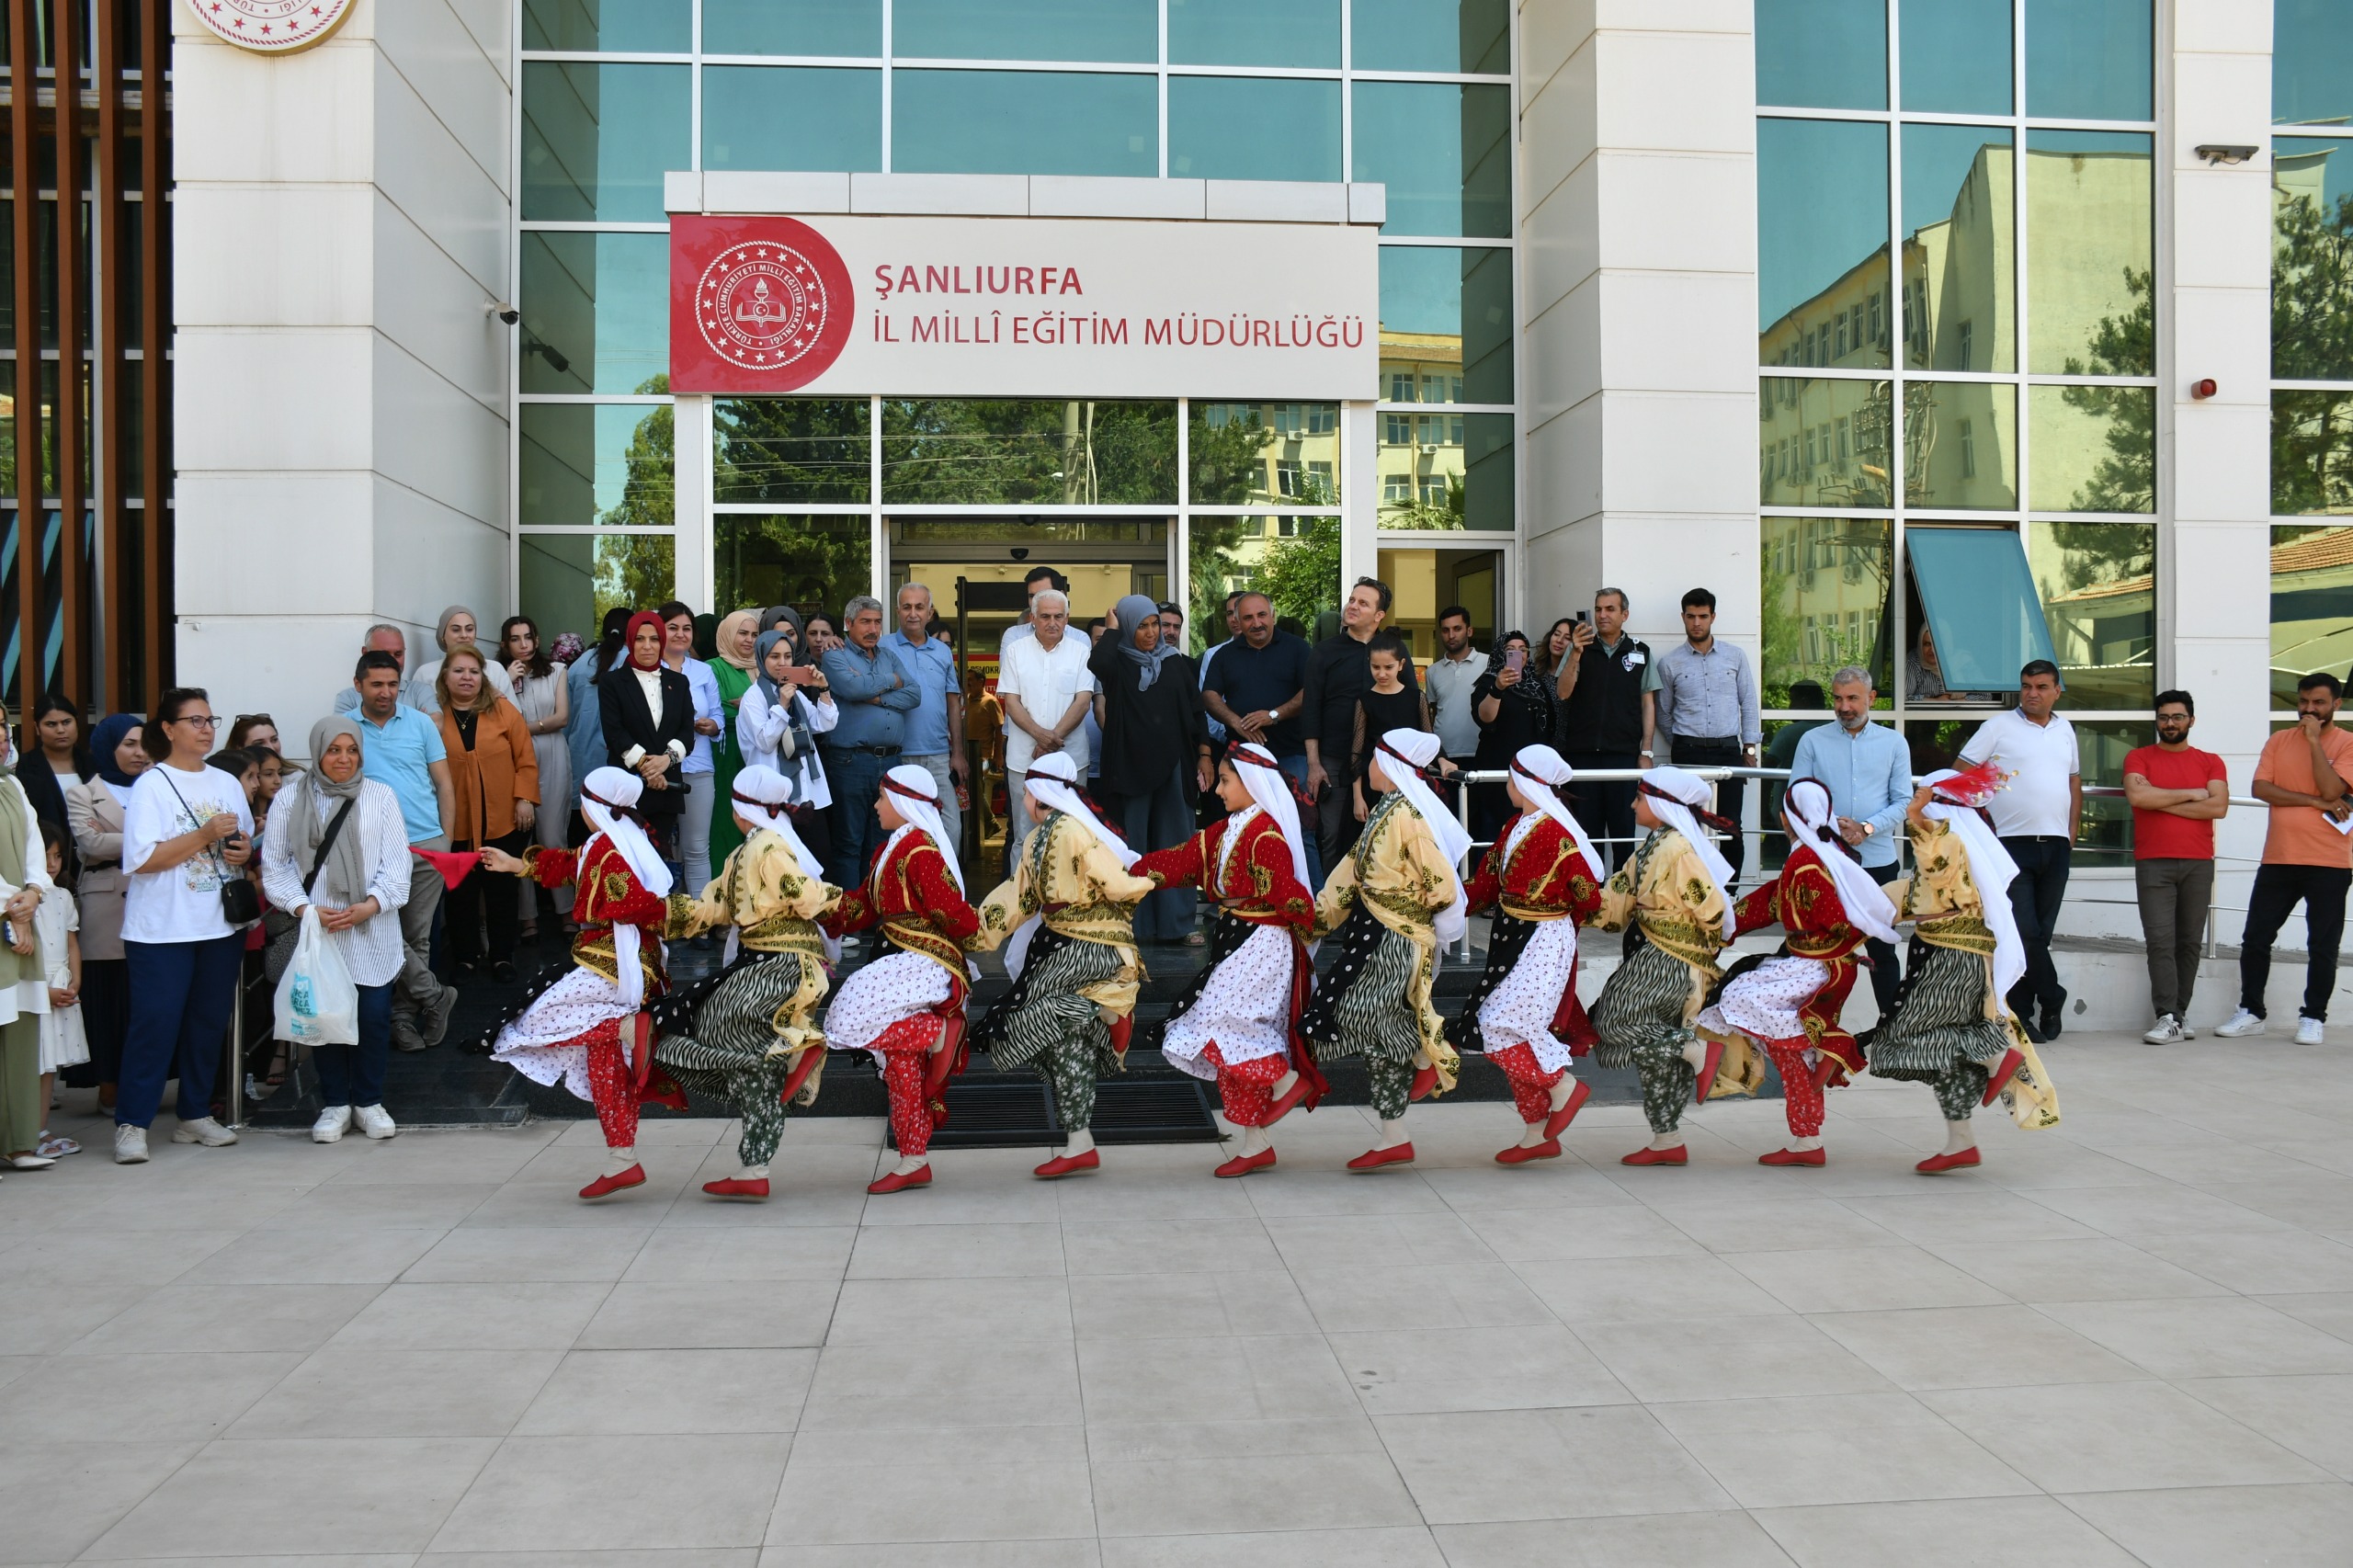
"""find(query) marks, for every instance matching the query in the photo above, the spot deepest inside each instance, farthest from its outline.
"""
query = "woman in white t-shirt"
(187, 831)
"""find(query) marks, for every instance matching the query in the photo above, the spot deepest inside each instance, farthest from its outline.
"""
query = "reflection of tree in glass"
(1842, 551)
(1429, 514)
(786, 449)
(810, 563)
(1225, 455)
(1301, 575)
(2126, 479)
(986, 452)
(638, 571)
(2312, 339)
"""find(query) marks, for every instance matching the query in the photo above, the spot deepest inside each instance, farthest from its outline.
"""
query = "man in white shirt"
(2035, 817)
(1048, 692)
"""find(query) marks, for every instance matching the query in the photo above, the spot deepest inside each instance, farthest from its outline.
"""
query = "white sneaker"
(375, 1122)
(2166, 1032)
(130, 1144)
(204, 1129)
(2308, 1031)
(2241, 1026)
(333, 1123)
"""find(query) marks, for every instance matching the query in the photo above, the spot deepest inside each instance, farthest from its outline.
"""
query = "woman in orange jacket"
(495, 780)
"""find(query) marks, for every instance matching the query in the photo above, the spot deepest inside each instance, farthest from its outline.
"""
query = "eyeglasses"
(201, 720)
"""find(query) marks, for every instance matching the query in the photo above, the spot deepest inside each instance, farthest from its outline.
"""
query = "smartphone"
(804, 675)
(1516, 660)
(1581, 616)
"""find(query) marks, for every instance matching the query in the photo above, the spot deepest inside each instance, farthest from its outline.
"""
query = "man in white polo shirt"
(2035, 818)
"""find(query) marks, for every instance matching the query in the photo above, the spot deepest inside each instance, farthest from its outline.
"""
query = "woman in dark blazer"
(1156, 752)
(649, 719)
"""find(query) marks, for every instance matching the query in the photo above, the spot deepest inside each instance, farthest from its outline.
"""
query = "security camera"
(506, 312)
(2223, 155)
(1021, 552)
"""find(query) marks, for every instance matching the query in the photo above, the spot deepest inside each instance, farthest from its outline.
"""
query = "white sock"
(1959, 1137)
(1667, 1140)
(619, 1160)
(1283, 1085)
(1561, 1091)
(1531, 1133)
(753, 1173)
(1254, 1141)
(1081, 1142)
(1805, 1145)
(1392, 1133)
(909, 1166)
(1695, 1051)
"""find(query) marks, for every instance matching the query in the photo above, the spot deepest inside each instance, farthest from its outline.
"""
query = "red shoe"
(2011, 1061)
(793, 1085)
(1242, 1164)
(1520, 1153)
(606, 1186)
(1679, 1155)
(1424, 1079)
(1063, 1165)
(1794, 1157)
(1558, 1122)
(1289, 1102)
(1707, 1078)
(1373, 1159)
(897, 1183)
(1937, 1165)
(738, 1187)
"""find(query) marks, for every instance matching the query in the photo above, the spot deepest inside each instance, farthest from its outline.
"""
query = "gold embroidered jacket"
(1076, 887)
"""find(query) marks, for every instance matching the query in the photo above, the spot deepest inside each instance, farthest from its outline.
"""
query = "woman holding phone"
(1516, 709)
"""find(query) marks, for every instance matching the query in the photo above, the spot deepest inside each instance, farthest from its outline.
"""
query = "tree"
(633, 570)
(2126, 479)
(1301, 574)
(2312, 339)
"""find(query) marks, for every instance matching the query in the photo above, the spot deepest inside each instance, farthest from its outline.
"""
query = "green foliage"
(1007, 452)
(1301, 575)
(2312, 339)
(789, 449)
(2126, 479)
(1225, 458)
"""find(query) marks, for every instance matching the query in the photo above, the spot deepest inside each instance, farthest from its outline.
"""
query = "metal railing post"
(237, 1049)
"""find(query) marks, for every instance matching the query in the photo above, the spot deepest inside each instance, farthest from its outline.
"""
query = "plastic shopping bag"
(317, 1004)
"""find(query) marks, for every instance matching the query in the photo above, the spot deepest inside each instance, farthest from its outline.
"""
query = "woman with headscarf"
(649, 716)
(1065, 918)
(1395, 898)
(586, 1027)
(457, 628)
(907, 1007)
(1238, 1023)
(1672, 892)
(339, 846)
(733, 666)
(1788, 1006)
(94, 815)
(1952, 1029)
(749, 1033)
(1542, 877)
(1155, 750)
(782, 714)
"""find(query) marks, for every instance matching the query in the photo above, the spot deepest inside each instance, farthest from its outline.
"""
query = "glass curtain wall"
(1414, 94)
(1957, 361)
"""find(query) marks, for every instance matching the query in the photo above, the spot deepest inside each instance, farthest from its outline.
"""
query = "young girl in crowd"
(1390, 704)
(63, 1043)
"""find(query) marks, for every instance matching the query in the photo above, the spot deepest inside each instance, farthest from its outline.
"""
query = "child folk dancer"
(1952, 1030)
(1540, 876)
(1238, 1023)
(1672, 891)
(1066, 917)
(1789, 1004)
(907, 1007)
(587, 1028)
(748, 1034)
(1394, 899)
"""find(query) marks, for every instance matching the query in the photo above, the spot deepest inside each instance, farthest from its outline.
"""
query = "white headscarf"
(1410, 751)
(1546, 767)
(1807, 805)
(1271, 794)
(1990, 871)
(915, 795)
(763, 796)
(1052, 783)
(1685, 791)
(605, 794)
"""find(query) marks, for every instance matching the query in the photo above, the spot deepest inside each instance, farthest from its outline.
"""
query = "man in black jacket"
(1339, 671)
(1609, 709)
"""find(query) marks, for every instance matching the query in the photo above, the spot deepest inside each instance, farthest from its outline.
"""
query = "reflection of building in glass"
(2097, 582)
(1421, 460)
(2311, 606)
(1300, 465)
(1826, 582)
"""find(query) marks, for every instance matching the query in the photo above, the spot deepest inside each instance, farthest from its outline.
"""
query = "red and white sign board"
(272, 27)
(1023, 307)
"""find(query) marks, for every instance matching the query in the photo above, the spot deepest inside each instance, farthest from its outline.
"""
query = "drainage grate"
(1013, 1113)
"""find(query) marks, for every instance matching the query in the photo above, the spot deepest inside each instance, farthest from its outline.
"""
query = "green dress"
(727, 759)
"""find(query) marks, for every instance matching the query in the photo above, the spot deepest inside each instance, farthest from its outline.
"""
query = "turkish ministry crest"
(757, 305)
(272, 27)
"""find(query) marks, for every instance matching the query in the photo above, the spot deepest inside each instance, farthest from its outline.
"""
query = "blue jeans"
(180, 995)
(354, 1074)
(1295, 769)
(856, 778)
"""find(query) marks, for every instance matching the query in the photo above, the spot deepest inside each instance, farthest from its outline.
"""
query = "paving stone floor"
(2128, 1340)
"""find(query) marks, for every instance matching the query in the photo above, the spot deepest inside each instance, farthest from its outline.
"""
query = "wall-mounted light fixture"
(2220, 155)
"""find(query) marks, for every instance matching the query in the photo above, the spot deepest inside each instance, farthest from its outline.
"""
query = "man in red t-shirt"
(2176, 791)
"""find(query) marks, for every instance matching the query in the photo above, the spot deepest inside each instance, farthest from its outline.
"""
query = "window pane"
(2312, 452)
(2093, 449)
(2088, 59)
(1822, 241)
(1825, 585)
(2103, 831)
(606, 463)
(2089, 253)
(1979, 601)
(1960, 292)
(1258, 454)
(811, 563)
(1254, 32)
(1252, 127)
(1013, 123)
(1026, 29)
(595, 312)
(1445, 471)
(1957, 56)
(1444, 151)
(597, 139)
(792, 26)
(2311, 61)
(2099, 586)
(2311, 606)
(790, 449)
(569, 581)
(2312, 218)
(1295, 562)
(1960, 444)
(1029, 453)
(650, 26)
(786, 117)
(1823, 443)
(1432, 35)
(1822, 54)
(1445, 325)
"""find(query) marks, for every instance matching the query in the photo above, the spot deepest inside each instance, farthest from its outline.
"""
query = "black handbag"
(240, 900)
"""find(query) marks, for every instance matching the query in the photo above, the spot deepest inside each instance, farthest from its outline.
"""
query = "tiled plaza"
(2128, 1339)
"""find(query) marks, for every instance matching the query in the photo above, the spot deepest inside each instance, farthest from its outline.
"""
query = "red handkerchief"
(452, 867)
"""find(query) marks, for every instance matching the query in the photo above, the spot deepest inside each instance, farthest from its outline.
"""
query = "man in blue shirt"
(401, 749)
(875, 694)
(935, 738)
(1868, 770)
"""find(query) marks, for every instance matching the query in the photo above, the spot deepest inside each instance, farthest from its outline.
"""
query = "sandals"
(53, 1147)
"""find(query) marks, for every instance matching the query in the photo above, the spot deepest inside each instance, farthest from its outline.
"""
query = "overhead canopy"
(1981, 603)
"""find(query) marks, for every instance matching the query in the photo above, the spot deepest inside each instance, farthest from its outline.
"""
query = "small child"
(1390, 704)
(62, 1042)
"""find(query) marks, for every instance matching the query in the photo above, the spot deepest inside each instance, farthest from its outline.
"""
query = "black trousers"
(468, 908)
(1606, 806)
(1731, 795)
(2278, 890)
(2035, 897)
(1884, 975)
